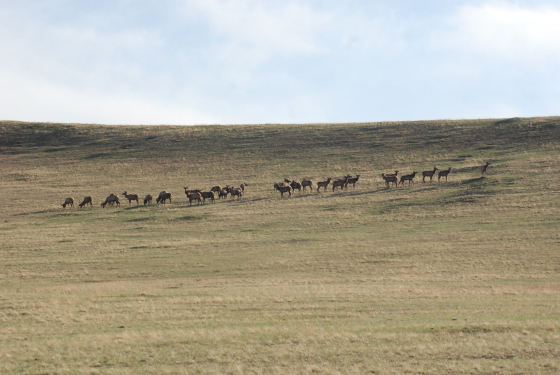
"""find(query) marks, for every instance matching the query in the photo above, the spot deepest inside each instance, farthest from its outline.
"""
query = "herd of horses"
(392, 178)
(193, 195)
(286, 186)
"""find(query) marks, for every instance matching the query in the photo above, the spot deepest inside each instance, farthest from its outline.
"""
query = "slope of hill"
(455, 277)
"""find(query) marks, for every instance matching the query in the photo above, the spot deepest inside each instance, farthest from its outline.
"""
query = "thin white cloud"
(76, 71)
(40, 100)
(271, 28)
(251, 61)
(502, 110)
(253, 31)
(507, 32)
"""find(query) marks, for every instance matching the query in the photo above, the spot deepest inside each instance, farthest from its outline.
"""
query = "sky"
(256, 62)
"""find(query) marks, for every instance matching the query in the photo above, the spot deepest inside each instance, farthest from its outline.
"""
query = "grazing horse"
(163, 196)
(87, 200)
(148, 199)
(110, 200)
(68, 202)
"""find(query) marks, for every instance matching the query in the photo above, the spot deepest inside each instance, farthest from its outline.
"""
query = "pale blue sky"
(252, 62)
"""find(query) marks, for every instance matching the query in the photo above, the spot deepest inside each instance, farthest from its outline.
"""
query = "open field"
(460, 277)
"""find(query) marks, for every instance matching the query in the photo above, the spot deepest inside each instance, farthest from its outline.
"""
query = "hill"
(450, 277)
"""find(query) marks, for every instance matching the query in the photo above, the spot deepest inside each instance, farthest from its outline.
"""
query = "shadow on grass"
(475, 169)
(258, 199)
(357, 193)
(97, 156)
(130, 207)
(473, 180)
(188, 218)
(488, 182)
(37, 212)
(73, 211)
(141, 219)
(245, 200)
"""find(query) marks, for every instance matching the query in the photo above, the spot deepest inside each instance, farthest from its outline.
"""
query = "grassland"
(460, 277)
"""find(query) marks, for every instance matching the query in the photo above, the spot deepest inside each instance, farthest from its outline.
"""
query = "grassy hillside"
(456, 277)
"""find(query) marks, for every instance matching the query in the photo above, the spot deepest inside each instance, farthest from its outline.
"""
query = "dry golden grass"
(459, 277)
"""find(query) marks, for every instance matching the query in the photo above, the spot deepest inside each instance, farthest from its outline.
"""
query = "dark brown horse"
(194, 197)
(131, 197)
(443, 173)
(307, 183)
(391, 178)
(285, 189)
(352, 181)
(323, 184)
(428, 174)
(340, 183)
(207, 194)
(408, 177)
(484, 168)
(87, 200)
